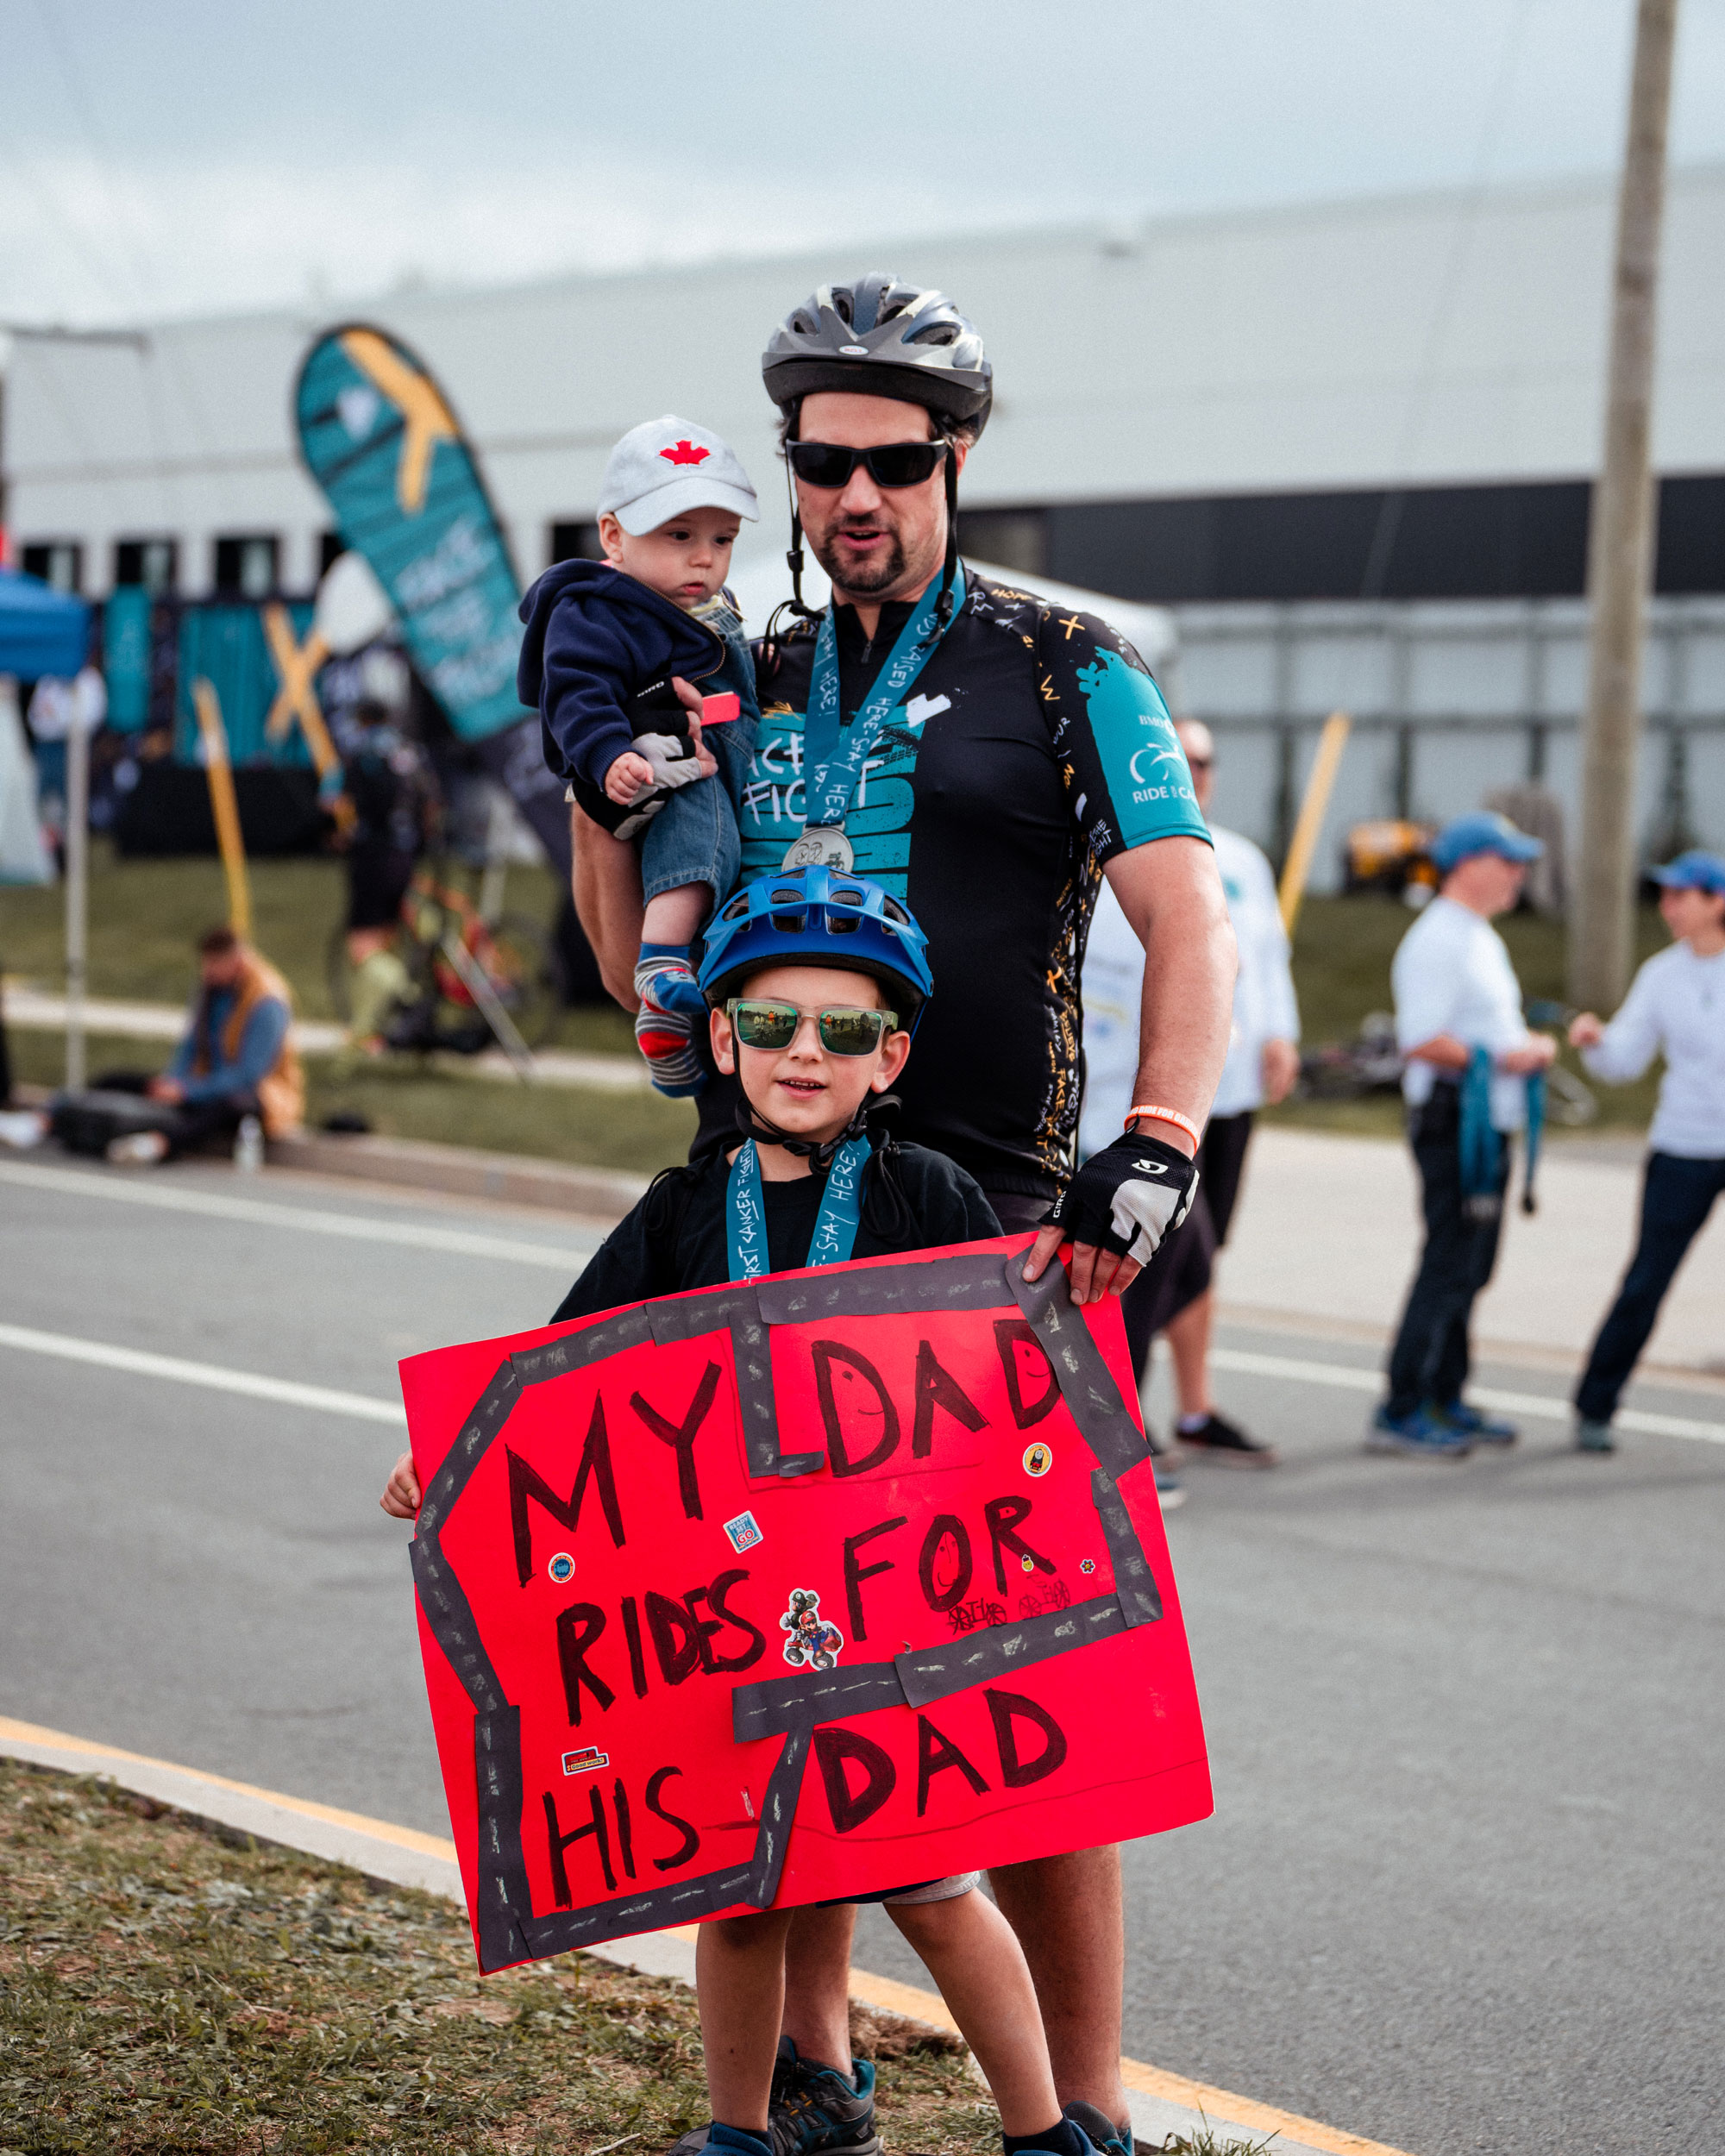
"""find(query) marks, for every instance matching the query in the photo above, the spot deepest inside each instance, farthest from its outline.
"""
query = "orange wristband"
(1167, 1115)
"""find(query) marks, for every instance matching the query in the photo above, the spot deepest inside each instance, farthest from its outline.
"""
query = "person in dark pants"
(387, 781)
(1460, 1026)
(1015, 756)
(1430, 1359)
(1675, 1006)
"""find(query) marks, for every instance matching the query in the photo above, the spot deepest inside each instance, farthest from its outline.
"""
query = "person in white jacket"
(1676, 1007)
(1176, 1294)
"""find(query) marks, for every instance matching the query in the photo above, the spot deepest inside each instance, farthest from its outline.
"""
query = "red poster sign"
(790, 1590)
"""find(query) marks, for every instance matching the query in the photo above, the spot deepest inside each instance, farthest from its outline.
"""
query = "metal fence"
(1448, 701)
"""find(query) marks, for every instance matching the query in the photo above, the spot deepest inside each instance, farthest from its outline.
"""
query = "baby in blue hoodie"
(608, 644)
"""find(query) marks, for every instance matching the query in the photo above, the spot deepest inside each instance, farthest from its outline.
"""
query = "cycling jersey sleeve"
(1126, 772)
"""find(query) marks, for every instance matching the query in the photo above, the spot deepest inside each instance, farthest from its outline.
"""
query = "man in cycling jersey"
(988, 759)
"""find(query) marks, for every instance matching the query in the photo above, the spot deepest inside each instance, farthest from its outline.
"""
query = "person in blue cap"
(1676, 1008)
(1469, 1060)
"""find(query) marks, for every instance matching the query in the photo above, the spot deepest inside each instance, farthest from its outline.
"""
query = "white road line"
(1351, 1378)
(322, 1398)
(310, 1220)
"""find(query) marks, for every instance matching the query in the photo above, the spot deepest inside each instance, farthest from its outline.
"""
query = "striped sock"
(664, 1025)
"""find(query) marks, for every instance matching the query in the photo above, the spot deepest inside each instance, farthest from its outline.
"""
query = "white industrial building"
(1348, 444)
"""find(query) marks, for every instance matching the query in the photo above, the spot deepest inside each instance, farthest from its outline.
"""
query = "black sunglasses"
(830, 464)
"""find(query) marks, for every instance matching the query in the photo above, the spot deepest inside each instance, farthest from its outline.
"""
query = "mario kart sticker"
(812, 1640)
(1038, 1459)
(744, 1531)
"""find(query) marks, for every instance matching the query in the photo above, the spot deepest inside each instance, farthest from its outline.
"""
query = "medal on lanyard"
(835, 1232)
(834, 755)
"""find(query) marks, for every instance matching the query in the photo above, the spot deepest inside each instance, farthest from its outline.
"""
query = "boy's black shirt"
(677, 1237)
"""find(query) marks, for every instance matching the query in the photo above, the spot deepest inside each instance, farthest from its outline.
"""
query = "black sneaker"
(1100, 2130)
(1221, 1440)
(812, 2108)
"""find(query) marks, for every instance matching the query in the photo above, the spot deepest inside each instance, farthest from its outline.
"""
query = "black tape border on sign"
(509, 1930)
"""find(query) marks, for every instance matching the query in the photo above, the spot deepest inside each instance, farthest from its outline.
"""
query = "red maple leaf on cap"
(685, 453)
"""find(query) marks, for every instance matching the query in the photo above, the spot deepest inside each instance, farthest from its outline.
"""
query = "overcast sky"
(196, 155)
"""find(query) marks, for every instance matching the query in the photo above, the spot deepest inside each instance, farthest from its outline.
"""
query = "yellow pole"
(1310, 823)
(223, 805)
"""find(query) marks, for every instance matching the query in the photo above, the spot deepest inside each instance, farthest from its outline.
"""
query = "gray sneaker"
(1593, 1437)
(1100, 2130)
(812, 2108)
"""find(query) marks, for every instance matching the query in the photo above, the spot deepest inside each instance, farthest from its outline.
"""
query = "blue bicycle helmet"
(819, 916)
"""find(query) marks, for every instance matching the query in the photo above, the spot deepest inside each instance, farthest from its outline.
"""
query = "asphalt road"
(1463, 1890)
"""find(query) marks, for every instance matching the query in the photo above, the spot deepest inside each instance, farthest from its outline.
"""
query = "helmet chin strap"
(793, 560)
(944, 610)
(819, 1153)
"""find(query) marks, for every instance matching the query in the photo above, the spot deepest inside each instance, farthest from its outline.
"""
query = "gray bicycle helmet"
(886, 337)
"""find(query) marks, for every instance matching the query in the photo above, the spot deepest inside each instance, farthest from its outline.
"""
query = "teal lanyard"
(835, 753)
(835, 1232)
(1536, 1125)
(1481, 1146)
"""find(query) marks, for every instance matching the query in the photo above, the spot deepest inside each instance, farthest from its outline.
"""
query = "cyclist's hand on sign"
(1117, 1209)
(1093, 1274)
(627, 775)
(401, 1492)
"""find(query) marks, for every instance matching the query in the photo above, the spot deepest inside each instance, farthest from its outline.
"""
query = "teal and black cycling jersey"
(1033, 748)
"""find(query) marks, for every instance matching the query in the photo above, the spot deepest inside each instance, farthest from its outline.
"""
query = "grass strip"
(146, 915)
(167, 1991)
(591, 1127)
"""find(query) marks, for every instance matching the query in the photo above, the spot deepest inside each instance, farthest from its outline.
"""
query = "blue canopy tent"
(42, 630)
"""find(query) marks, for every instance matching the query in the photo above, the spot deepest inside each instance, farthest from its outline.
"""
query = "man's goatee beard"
(862, 580)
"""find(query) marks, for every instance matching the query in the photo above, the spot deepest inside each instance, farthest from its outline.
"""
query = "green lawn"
(636, 1132)
(1342, 951)
(164, 1992)
(146, 915)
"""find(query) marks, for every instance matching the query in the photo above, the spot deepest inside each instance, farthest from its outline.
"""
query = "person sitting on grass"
(815, 981)
(236, 1059)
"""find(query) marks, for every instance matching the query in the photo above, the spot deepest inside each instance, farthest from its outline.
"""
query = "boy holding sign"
(816, 980)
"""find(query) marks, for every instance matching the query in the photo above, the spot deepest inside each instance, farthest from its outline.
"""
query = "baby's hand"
(401, 1492)
(626, 777)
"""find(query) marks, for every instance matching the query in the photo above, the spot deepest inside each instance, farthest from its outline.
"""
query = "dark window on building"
(1691, 553)
(331, 546)
(1513, 542)
(153, 563)
(1009, 538)
(573, 542)
(247, 566)
(57, 561)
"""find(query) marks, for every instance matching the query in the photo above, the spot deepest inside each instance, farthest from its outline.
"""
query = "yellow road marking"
(381, 1830)
(1219, 2105)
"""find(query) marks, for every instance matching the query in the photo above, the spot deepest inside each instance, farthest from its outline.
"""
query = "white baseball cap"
(664, 469)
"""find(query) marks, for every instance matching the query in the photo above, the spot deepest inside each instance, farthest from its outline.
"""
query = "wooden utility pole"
(1619, 540)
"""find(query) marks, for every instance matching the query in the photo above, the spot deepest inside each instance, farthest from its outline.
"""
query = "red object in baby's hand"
(715, 710)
